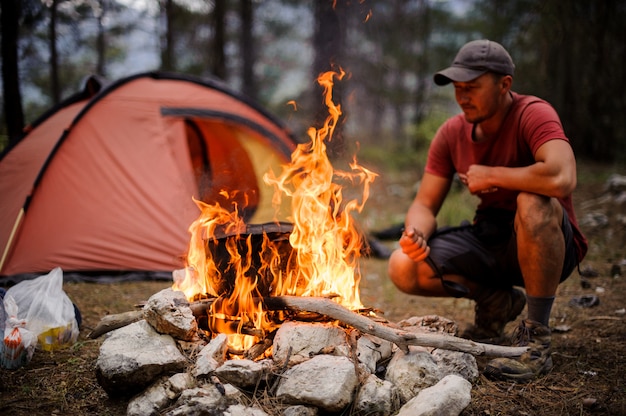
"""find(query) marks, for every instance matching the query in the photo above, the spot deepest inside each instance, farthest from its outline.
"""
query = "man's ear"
(506, 82)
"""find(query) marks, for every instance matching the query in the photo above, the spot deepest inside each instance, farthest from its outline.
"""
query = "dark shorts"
(486, 252)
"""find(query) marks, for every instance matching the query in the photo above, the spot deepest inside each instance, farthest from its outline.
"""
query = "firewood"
(114, 321)
(258, 349)
(199, 307)
(118, 320)
(403, 339)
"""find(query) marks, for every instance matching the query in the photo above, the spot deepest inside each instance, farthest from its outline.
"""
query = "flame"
(293, 104)
(324, 243)
(368, 16)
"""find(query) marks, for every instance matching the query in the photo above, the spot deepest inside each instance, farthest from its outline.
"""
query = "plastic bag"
(48, 311)
(18, 343)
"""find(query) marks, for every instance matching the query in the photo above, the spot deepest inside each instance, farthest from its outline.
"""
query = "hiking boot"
(494, 310)
(534, 362)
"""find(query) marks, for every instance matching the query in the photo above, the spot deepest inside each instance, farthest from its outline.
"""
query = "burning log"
(258, 349)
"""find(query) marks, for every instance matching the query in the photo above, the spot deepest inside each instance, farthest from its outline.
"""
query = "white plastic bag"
(48, 311)
(18, 343)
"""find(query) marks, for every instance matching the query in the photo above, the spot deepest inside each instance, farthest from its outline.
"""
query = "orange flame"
(368, 16)
(326, 241)
(293, 104)
(325, 244)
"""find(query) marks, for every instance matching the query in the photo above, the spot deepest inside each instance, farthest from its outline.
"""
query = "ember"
(316, 254)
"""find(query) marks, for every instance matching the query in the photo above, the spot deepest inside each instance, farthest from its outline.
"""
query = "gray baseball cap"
(474, 59)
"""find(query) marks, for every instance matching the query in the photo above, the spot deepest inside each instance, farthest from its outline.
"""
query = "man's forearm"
(421, 219)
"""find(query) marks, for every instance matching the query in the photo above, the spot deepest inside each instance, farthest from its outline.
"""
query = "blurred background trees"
(570, 53)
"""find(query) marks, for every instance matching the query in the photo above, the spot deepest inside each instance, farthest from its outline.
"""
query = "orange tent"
(105, 180)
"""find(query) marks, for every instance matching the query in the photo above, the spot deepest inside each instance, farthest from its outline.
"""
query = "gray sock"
(539, 308)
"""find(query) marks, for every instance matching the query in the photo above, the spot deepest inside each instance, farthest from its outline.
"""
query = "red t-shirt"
(530, 123)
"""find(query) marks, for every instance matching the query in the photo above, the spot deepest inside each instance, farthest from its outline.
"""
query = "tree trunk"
(422, 63)
(247, 49)
(9, 16)
(167, 42)
(55, 88)
(101, 41)
(219, 39)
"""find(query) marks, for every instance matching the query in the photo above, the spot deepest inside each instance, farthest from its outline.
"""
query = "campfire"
(238, 265)
(276, 308)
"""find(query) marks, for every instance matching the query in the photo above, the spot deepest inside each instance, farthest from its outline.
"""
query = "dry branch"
(403, 339)
(118, 320)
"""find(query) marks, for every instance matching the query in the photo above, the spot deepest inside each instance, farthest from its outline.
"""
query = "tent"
(104, 181)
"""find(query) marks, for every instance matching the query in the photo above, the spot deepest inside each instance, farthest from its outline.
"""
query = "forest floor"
(589, 343)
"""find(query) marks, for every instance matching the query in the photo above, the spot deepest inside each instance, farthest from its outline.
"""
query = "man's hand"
(414, 245)
(476, 179)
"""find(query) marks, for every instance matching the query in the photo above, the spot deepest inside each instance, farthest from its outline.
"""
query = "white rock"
(412, 372)
(616, 183)
(376, 397)
(447, 398)
(211, 356)
(370, 350)
(300, 410)
(159, 395)
(456, 362)
(241, 410)
(178, 383)
(305, 340)
(200, 401)
(134, 356)
(244, 373)
(325, 381)
(169, 313)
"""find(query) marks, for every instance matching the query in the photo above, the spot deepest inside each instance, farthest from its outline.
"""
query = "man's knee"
(537, 213)
(402, 272)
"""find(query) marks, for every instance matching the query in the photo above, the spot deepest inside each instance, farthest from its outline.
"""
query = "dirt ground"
(589, 343)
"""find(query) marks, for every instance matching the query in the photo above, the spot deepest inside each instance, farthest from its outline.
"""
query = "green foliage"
(391, 159)
(589, 172)
(396, 161)
(570, 53)
(392, 155)
(424, 132)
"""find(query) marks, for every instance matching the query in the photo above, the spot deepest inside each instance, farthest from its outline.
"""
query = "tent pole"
(11, 237)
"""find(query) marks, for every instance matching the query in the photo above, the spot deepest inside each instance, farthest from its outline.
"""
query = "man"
(509, 150)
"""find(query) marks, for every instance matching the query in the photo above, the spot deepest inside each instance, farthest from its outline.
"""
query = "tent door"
(222, 168)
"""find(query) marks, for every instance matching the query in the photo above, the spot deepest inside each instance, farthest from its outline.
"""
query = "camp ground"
(105, 181)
